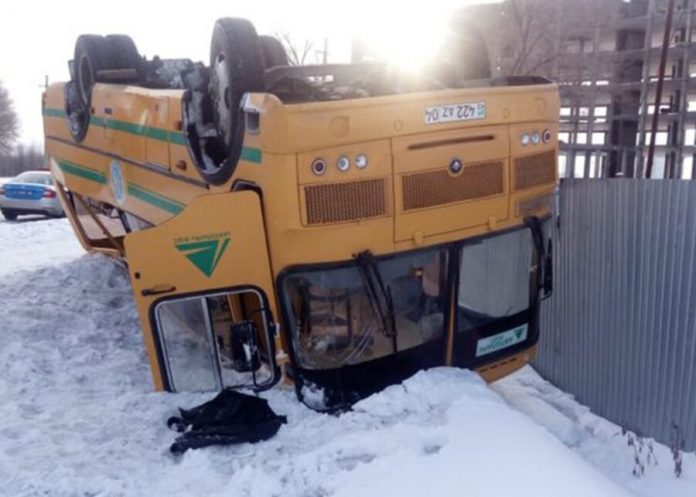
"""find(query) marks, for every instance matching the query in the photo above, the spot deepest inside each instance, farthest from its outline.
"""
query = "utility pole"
(324, 53)
(45, 83)
(658, 89)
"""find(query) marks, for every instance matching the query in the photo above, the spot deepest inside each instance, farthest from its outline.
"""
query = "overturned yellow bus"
(336, 226)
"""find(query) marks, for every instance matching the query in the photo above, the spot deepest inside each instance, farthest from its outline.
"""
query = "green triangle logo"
(518, 333)
(205, 255)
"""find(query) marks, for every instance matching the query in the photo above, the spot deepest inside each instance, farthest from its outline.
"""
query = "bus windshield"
(338, 315)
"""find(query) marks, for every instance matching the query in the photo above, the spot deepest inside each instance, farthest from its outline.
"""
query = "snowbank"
(597, 440)
(78, 416)
(36, 241)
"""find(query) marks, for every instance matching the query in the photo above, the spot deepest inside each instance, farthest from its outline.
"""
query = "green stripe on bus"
(177, 138)
(47, 111)
(157, 134)
(146, 131)
(155, 199)
(83, 172)
(251, 154)
(136, 191)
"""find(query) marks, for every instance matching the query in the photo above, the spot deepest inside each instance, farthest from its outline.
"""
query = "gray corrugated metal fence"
(619, 331)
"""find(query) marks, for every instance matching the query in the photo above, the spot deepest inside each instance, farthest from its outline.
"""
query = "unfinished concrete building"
(605, 55)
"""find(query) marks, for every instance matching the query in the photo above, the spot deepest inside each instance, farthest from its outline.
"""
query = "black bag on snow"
(229, 418)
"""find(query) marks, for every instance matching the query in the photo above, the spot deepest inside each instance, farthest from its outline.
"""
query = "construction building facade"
(605, 55)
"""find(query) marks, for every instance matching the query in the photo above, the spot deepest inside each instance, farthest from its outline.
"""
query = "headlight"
(546, 136)
(343, 163)
(361, 161)
(536, 138)
(318, 167)
(525, 139)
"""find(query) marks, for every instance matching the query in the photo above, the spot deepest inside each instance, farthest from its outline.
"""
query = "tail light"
(49, 194)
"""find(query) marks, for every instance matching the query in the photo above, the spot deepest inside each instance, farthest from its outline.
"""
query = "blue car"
(32, 192)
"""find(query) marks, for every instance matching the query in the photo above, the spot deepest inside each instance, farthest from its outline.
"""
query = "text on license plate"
(455, 112)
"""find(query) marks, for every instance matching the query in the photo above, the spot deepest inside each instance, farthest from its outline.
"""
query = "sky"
(37, 38)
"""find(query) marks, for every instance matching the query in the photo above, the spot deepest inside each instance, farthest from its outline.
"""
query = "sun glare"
(408, 35)
(411, 39)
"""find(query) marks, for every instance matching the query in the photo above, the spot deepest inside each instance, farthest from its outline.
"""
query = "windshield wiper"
(379, 294)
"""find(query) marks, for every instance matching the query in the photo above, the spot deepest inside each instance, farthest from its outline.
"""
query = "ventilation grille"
(439, 187)
(340, 202)
(534, 170)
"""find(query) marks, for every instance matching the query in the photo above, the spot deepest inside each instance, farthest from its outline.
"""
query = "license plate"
(501, 341)
(455, 112)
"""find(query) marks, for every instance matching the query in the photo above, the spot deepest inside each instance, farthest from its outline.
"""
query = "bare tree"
(9, 125)
(538, 33)
(537, 43)
(297, 54)
(21, 159)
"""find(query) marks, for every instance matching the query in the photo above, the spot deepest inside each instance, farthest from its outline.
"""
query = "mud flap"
(195, 278)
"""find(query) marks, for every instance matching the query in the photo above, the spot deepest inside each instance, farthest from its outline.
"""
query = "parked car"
(32, 192)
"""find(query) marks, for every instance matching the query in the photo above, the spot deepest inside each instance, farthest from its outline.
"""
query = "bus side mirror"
(547, 274)
(244, 347)
(545, 254)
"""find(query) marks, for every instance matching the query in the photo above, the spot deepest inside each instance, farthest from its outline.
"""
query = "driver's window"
(215, 341)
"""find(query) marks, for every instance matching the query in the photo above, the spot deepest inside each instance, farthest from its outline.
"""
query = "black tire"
(124, 54)
(9, 214)
(465, 57)
(273, 52)
(77, 114)
(236, 67)
(92, 54)
(475, 54)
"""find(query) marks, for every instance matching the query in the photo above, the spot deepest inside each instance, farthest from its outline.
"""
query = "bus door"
(203, 287)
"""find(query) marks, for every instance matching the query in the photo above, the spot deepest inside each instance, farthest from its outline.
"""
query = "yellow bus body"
(279, 213)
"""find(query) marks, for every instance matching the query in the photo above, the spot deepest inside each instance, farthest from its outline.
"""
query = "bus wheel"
(236, 67)
(92, 54)
(125, 55)
(464, 57)
(76, 113)
(475, 54)
(273, 52)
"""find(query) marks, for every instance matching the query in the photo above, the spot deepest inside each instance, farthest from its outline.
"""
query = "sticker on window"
(501, 341)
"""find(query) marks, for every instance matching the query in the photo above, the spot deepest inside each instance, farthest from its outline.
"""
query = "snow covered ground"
(78, 417)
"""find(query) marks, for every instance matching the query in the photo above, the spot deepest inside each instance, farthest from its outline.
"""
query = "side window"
(214, 341)
(187, 344)
(494, 279)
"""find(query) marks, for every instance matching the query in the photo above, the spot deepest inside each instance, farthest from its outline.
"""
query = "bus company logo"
(501, 340)
(455, 167)
(204, 251)
(118, 188)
